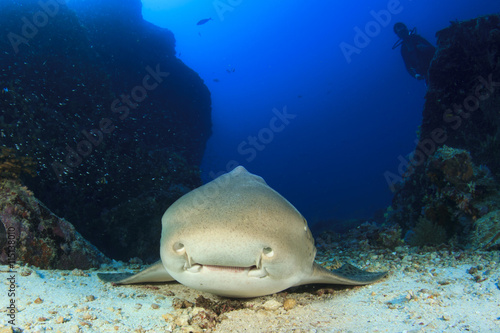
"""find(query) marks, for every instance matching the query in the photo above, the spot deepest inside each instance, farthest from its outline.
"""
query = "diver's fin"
(154, 273)
(347, 274)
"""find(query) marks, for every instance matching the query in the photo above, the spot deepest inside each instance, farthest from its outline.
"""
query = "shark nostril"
(268, 252)
(178, 248)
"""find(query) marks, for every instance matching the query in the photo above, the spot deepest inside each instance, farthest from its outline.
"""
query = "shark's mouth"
(251, 271)
(229, 269)
(257, 270)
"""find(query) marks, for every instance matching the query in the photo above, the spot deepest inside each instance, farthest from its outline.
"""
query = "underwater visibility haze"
(352, 113)
(112, 110)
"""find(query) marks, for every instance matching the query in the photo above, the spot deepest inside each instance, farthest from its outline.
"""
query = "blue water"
(349, 115)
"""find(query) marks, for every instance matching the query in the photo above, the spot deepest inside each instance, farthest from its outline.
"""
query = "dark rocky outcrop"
(452, 181)
(30, 233)
(116, 124)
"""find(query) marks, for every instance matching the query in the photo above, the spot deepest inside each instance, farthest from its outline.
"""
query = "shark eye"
(268, 252)
(178, 248)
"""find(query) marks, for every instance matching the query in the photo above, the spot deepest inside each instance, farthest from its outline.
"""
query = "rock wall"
(450, 191)
(30, 233)
(115, 123)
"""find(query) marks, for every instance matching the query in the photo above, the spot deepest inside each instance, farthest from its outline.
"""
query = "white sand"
(446, 298)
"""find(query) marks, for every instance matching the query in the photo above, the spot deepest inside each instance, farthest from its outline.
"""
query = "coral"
(41, 238)
(208, 312)
(454, 178)
(447, 193)
(452, 166)
(12, 166)
(219, 307)
(486, 233)
(390, 237)
(427, 233)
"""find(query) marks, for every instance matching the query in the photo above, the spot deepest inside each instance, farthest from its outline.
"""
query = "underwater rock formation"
(12, 166)
(446, 200)
(39, 237)
(464, 91)
(452, 182)
(115, 123)
(486, 233)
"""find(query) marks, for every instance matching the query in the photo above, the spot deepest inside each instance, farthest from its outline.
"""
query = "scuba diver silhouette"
(417, 52)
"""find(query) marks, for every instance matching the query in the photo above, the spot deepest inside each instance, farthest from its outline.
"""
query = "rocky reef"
(12, 166)
(99, 118)
(450, 191)
(30, 233)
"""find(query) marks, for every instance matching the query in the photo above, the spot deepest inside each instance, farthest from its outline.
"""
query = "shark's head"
(236, 237)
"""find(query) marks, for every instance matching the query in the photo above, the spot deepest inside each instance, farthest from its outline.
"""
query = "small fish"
(216, 80)
(200, 22)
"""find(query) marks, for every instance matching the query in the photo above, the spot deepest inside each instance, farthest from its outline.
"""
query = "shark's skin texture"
(237, 237)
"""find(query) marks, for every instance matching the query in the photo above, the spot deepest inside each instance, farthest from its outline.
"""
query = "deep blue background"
(353, 119)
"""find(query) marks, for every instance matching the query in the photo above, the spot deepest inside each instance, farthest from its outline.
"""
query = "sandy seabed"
(424, 292)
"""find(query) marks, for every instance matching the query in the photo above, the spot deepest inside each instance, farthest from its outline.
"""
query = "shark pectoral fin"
(154, 273)
(347, 274)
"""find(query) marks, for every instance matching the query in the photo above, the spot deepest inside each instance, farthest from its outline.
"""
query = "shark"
(237, 237)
